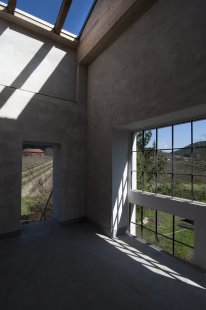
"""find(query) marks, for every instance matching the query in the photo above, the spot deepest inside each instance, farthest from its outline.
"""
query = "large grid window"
(171, 160)
(171, 233)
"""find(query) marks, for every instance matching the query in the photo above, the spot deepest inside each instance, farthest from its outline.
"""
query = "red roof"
(33, 151)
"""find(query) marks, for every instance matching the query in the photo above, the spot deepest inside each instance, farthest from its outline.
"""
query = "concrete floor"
(71, 267)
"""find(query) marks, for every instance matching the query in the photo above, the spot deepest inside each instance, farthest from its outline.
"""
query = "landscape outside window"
(170, 161)
(37, 180)
(170, 233)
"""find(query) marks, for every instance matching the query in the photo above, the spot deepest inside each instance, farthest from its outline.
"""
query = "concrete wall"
(39, 102)
(157, 66)
(108, 20)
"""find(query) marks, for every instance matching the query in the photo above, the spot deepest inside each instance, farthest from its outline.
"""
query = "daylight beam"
(62, 15)
(11, 6)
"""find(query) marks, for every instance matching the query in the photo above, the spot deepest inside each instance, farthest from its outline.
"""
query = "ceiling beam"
(64, 9)
(11, 6)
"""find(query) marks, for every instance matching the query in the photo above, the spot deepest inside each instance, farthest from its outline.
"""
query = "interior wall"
(39, 103)
(157, 66)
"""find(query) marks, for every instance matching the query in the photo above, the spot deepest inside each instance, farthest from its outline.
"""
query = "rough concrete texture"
(38, 104)
(157, 66)
(73, 268)
(108, 20)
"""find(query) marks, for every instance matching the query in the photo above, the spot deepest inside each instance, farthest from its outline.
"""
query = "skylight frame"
(14, 9)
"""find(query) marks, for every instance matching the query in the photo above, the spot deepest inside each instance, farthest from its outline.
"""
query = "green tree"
(149, 163)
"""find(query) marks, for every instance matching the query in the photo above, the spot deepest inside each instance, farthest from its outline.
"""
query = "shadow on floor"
(75, 267)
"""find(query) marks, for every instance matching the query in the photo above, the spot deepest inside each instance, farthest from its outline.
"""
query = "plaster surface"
(39, 104)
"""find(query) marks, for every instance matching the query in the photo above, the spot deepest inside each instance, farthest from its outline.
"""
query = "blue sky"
(48, 11)
(182, 135)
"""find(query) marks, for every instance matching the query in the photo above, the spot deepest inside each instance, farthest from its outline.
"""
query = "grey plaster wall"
(38, 104)
(157, 66)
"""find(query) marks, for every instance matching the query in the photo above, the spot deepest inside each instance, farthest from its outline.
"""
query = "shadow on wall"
(30, 66)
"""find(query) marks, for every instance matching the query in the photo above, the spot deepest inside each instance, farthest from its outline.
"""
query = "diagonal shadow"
(8, 91)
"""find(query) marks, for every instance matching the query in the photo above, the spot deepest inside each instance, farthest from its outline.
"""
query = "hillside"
(200, 148)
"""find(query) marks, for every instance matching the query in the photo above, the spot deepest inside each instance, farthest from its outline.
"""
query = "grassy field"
(181, 189)
(165, 228)
(24, 205)
(37, 181)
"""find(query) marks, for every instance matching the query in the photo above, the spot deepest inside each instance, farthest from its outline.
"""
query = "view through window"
(169, 161)
(37, 183)
(169, 232)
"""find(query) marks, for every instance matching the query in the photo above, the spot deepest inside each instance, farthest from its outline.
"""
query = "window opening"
(171, 161)
(168, 161)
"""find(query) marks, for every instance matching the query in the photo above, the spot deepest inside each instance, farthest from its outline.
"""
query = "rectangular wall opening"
(168, 171)
(171, 160)
(37, 183)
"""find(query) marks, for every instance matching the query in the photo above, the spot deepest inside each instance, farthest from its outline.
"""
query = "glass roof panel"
(77, 15)
(44, 9)
(4, 2)
(48, 10)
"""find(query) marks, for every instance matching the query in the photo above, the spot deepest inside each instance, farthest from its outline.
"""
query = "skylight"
(77, 15)
(48, 11)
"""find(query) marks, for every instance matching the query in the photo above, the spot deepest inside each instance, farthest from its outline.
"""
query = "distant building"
(33, 152)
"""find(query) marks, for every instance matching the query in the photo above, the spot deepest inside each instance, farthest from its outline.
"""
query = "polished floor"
(75, 267)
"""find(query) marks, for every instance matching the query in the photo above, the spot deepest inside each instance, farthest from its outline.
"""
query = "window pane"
(164, 162)
(164, 184)
(182, 186)
(138, 214)
(184, 231)
(138, 221)
(77, 15)
(150, 139)
(150, 161)
(149, 170)
(149, 219)
(165, 223)
(183, 252)
(165, 137)
(4, 1)
(149, 236)
(165, 244)
(199, 161)
(139, 182)
(139, 137)
(149, 182)
(199, 132)
(182, 161)
(149, 225)
(46, 10)
(139, 232)
(182, 135)
(139, 159)
(137, 176)
(199, 185)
